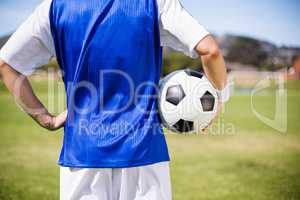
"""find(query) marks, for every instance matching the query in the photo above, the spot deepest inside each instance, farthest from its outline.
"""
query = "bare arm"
(19, 86)
(213, 62)
(213, 65)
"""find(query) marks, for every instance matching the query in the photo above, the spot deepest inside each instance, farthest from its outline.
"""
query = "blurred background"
(251, 152)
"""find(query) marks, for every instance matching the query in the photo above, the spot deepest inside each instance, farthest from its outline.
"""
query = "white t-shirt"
(32, 45)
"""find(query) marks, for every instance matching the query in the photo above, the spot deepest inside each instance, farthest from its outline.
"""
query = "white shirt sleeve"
(31, 45)
(178, 29)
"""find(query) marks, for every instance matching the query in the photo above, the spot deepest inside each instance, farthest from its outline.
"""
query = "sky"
(277, 21)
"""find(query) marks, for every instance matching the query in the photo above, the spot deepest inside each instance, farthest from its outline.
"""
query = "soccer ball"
(187, 102)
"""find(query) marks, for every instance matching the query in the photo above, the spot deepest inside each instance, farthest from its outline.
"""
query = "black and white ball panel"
(183, 126)
(175, 94)
(194, 73)
(207, 102)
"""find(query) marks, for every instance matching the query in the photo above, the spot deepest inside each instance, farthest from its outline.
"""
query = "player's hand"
(219, 109)
(50, 122)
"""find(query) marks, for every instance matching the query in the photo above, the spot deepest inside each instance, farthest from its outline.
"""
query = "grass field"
(253, 162)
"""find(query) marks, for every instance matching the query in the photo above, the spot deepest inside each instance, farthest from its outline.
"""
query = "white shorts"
(150, 182)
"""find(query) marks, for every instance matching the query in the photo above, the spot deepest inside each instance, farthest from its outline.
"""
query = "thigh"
(155, 182)
(85, 184)
(150, 182)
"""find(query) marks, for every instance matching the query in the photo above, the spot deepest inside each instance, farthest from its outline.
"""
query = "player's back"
(110, 55)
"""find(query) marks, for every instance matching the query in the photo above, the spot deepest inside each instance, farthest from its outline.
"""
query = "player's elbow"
(208, 48)
(214, 51)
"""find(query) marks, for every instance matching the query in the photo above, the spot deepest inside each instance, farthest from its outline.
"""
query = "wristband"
(224, 95)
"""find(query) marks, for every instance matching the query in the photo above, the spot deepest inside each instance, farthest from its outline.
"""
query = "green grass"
(249, 161)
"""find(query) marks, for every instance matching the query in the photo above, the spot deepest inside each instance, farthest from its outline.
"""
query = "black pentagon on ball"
(184, 126)
(207, 102)
(175, 94)
(193, 73)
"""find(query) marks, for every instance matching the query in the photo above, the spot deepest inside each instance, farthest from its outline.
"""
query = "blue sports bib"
(110, 56)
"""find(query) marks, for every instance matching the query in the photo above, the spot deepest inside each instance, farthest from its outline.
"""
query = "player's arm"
(213, 62)
(27, 49)
(19, 86)
(180, 31)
